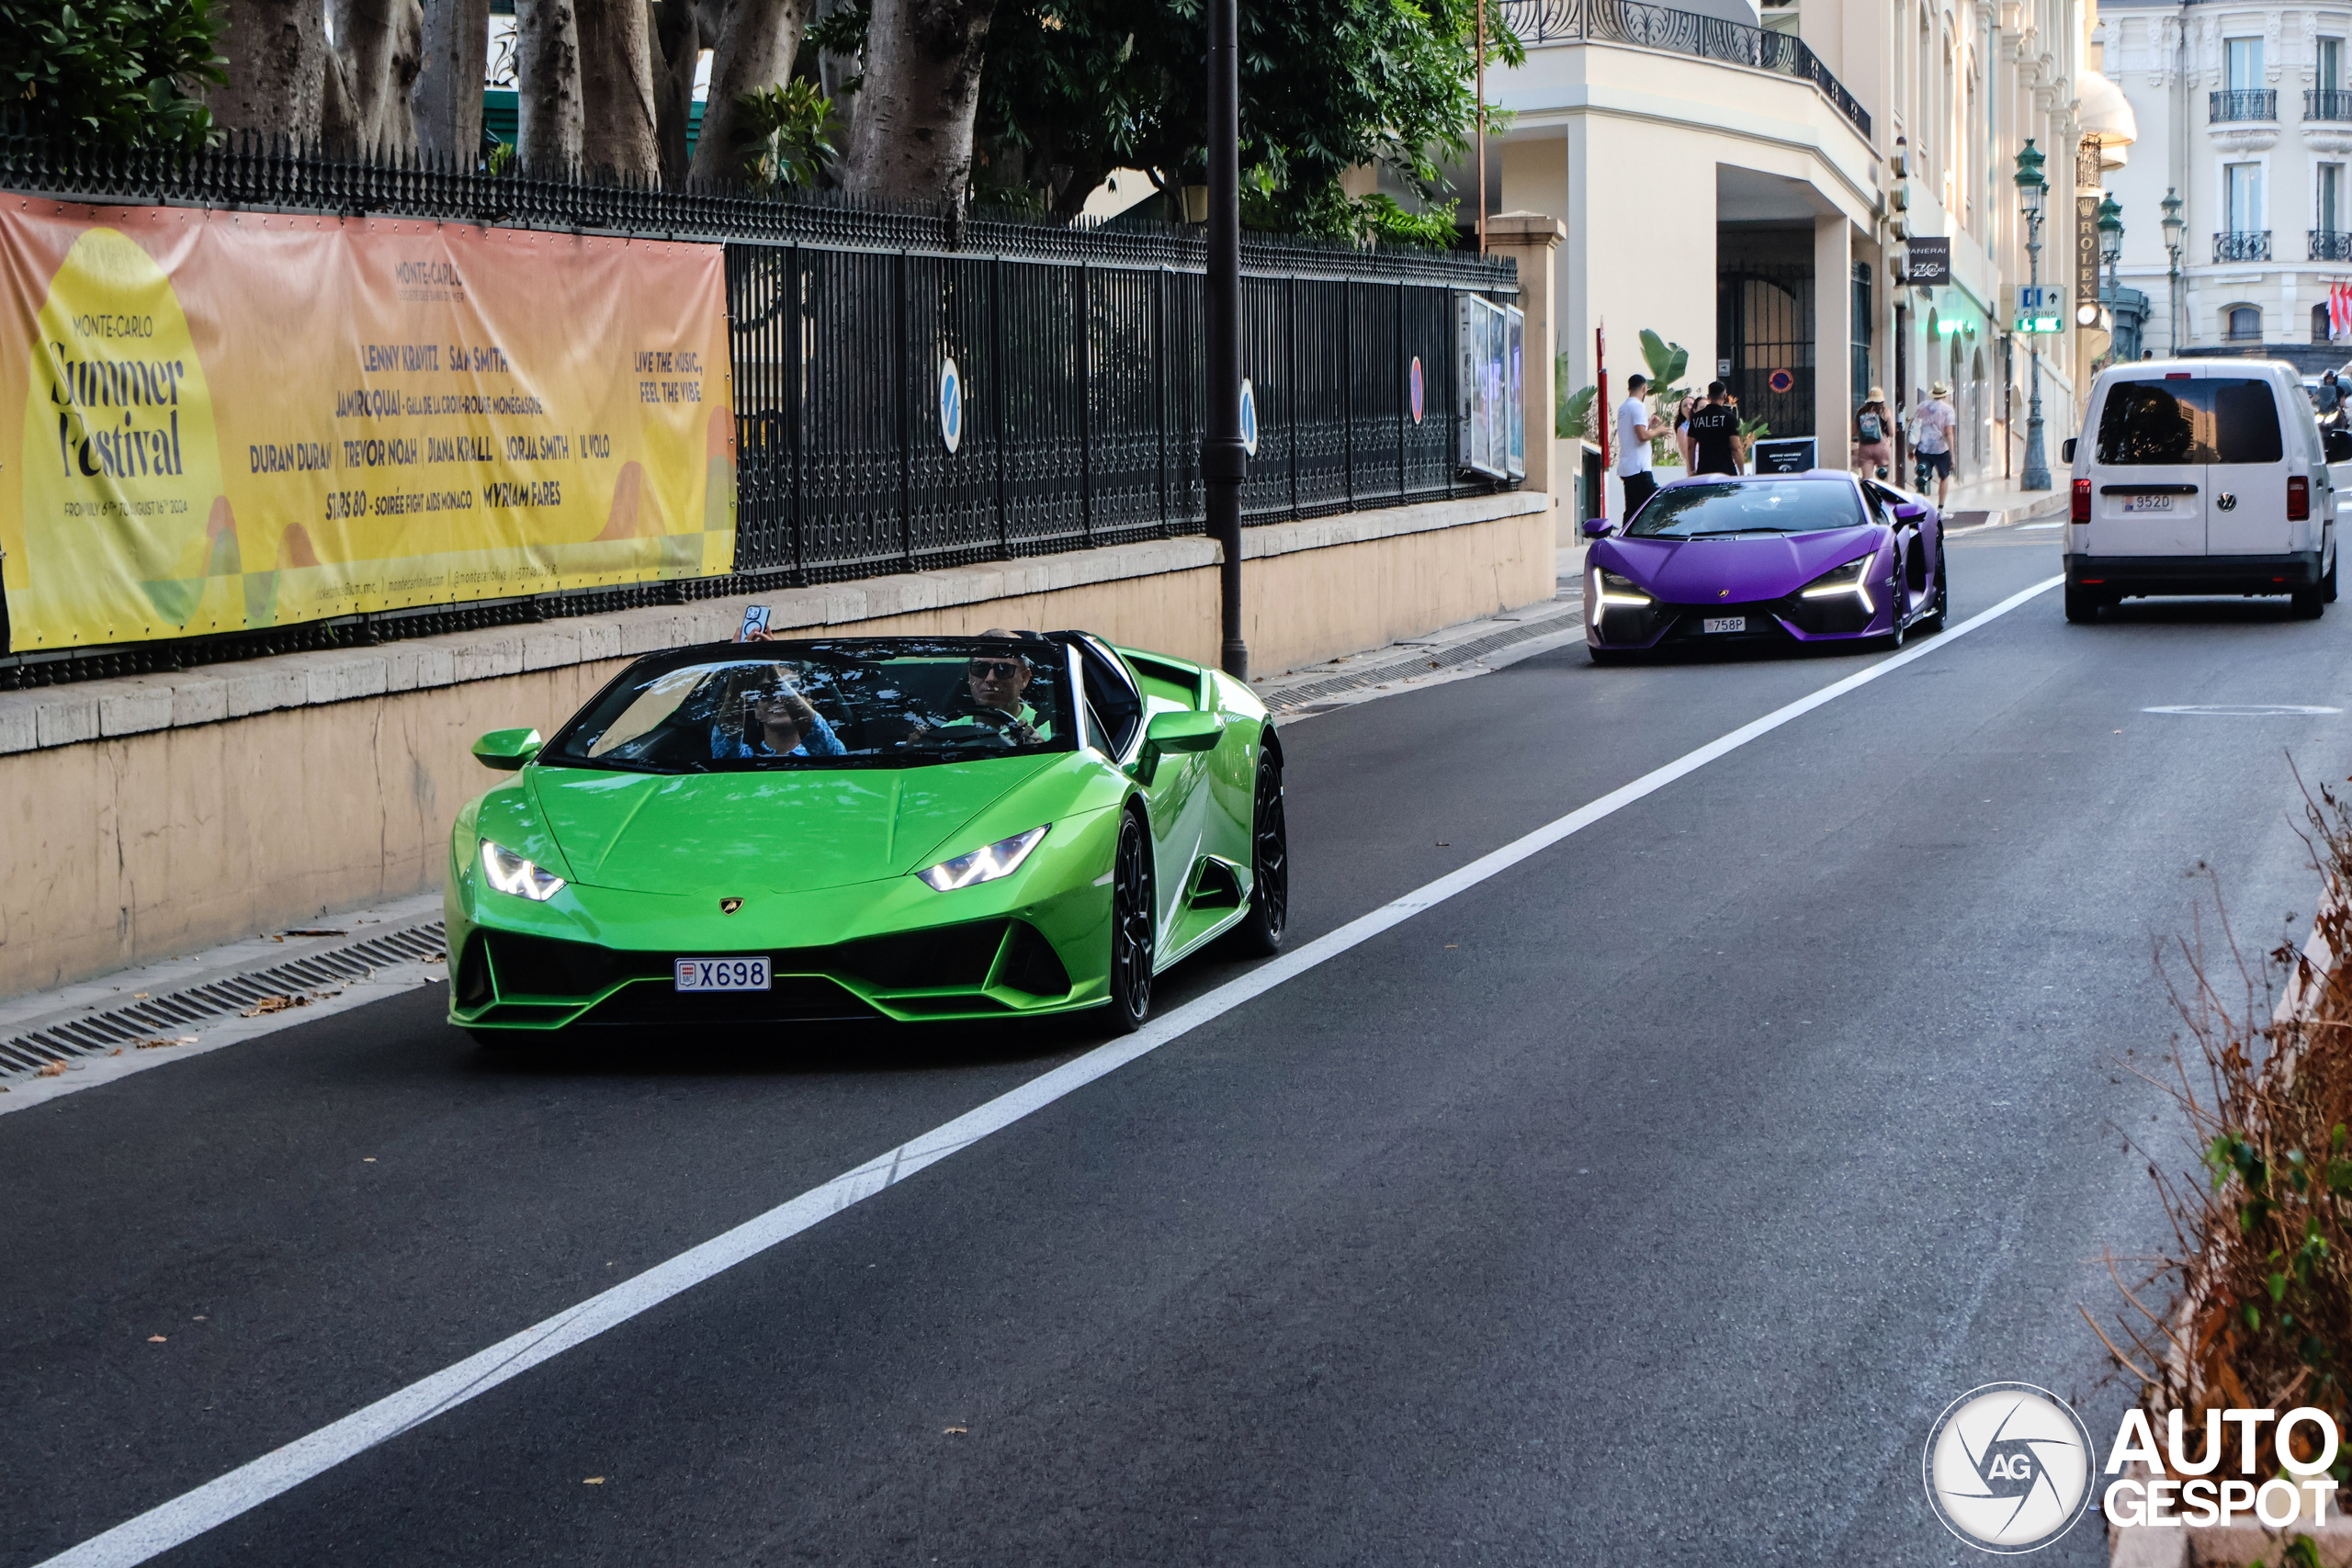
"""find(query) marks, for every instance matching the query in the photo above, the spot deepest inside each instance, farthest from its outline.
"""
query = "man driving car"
(996, 680)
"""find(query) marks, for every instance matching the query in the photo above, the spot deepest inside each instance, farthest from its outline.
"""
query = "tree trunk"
(276, 53)
(675, 46)
(548, 125)
(922, 91)
(446, 99)
(617, 88)
(756, 43)
(378, 48)
(836, 77)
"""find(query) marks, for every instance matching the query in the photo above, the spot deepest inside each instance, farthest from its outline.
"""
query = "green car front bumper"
(1036, 941)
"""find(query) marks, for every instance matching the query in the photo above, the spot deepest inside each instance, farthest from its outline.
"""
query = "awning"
(2106, 118)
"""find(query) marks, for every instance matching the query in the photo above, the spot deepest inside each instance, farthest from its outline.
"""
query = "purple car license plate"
(722, 974)
(1725, 624)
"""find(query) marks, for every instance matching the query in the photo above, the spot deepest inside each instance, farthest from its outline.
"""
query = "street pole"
(1482, 127)
(1222, 459)
(2037, 458)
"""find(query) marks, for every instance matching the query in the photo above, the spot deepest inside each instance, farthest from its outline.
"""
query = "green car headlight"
(1848, 579)
(1000, 859)
(509, 872)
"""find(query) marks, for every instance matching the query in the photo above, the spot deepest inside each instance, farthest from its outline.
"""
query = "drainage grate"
(93, 1034)
(1296, 699)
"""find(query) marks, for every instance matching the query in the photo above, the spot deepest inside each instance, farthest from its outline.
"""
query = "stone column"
(1531, 239)
(1833, 340)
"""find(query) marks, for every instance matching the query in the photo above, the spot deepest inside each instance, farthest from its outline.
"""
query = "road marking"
(2244, 710)
(185, 1517)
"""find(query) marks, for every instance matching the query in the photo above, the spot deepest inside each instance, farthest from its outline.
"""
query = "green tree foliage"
(124, 73)
(788, 136)
(1075, 88)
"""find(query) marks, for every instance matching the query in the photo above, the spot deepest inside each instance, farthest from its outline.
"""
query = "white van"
(2203, 475)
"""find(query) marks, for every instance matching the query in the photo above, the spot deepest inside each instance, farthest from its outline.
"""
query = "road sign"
(1248, 417)
(951, 405)
(1780, 381)
(1419, 390)
(2041, 307)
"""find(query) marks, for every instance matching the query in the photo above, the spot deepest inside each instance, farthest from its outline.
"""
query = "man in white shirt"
(1635, 434)
(1932, 428)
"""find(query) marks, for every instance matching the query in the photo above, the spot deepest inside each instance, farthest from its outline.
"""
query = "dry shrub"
(2251, 1307)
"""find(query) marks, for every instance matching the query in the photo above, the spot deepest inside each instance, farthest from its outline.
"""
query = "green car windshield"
(899, 702)
(1696, 511)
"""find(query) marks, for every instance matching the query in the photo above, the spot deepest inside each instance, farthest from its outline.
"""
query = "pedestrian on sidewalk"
(1714, 434)
(1636, 430)
(1931, 430)
(1682, 412)
(1873, 435)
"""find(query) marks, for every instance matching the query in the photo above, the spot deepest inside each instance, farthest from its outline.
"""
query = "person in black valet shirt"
(1714, 434)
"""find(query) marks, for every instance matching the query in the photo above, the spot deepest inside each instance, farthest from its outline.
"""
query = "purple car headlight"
(1853, 579)
(1610, 588)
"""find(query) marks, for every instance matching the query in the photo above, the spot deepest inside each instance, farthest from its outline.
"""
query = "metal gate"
(1764, 320)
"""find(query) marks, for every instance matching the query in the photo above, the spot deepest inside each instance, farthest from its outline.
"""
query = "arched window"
(2319, 324)
(2242, 323)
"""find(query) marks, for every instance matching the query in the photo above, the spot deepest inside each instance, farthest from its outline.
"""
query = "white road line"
(185, 1517)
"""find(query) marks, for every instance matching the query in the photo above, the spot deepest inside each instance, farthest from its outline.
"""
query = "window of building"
(2319, 324)
(2242, 323)
(2242, 187)
(2330, 198)
(2331, 64)
(2245, 63)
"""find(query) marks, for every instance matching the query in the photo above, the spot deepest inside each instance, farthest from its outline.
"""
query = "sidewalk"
(1989, 503)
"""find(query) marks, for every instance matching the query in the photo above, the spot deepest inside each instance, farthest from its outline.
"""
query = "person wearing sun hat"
(1931, 430)
(1873, 435)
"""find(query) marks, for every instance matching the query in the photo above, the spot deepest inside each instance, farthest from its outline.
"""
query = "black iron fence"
(1681, 32)
(1077, 355)
(2242, 103)
(2242, 245)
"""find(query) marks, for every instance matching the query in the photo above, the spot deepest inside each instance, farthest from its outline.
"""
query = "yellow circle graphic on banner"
(126, 529)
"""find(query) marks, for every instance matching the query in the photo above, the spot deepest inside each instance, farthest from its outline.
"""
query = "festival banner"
(218, 421)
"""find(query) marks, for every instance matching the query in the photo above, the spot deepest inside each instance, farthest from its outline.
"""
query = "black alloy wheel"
(1259, 935)
(1131, 927)
(1897, 595)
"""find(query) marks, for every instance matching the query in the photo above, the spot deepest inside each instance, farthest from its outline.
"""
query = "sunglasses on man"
(996, 669)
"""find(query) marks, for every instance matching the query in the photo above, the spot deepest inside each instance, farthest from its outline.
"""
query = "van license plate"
(1726, 624)
(2147, 504)
(722, 974)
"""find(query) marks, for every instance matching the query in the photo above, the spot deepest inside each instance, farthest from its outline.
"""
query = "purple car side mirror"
(1910, 514)
(1597, 528)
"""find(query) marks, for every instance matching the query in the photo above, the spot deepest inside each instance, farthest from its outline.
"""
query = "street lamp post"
(2032, 190)
(2174, 231)
(2110, 251)
(1224, 459)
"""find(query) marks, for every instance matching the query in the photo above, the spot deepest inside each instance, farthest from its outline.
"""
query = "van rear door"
(2148, 468)
(2246, 475)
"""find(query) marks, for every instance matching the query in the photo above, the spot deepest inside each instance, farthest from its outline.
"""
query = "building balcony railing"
(2245, 103)
(2326, 103)
(2330, 245)
(1679, 32)
(2242, 245)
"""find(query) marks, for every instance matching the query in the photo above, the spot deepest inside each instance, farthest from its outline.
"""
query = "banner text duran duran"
(215, 422)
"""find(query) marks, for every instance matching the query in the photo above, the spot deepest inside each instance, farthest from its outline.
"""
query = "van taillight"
(2299, 499)
(2081, 501)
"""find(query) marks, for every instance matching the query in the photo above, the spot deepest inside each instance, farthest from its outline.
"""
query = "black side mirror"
(2339, 445)
(2066, 450)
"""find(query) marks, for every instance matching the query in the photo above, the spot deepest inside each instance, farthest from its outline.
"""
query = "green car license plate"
(722, 974)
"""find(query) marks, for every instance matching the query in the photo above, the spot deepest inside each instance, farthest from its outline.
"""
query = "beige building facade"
(1750, 185)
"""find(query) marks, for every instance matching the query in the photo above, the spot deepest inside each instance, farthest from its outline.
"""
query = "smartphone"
(756, 619)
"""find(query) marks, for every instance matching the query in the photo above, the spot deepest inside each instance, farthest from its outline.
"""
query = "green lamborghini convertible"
(881, 827)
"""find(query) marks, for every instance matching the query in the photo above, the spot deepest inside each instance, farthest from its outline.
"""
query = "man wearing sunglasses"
(996, 681)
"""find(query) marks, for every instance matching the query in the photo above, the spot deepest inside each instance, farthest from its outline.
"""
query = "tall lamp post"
(1224, 460)
(2110, 251)
(2031, 191)
(2175, 232)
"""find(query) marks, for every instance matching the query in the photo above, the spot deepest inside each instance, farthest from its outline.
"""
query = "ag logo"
(728, 906)
(2008, 1467)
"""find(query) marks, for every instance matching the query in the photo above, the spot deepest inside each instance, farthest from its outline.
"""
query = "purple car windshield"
(1798, 506)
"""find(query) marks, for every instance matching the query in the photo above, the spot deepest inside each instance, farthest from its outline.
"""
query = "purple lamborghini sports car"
(1785, 558)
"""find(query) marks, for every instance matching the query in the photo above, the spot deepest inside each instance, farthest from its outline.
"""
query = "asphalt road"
(1643, 1204)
